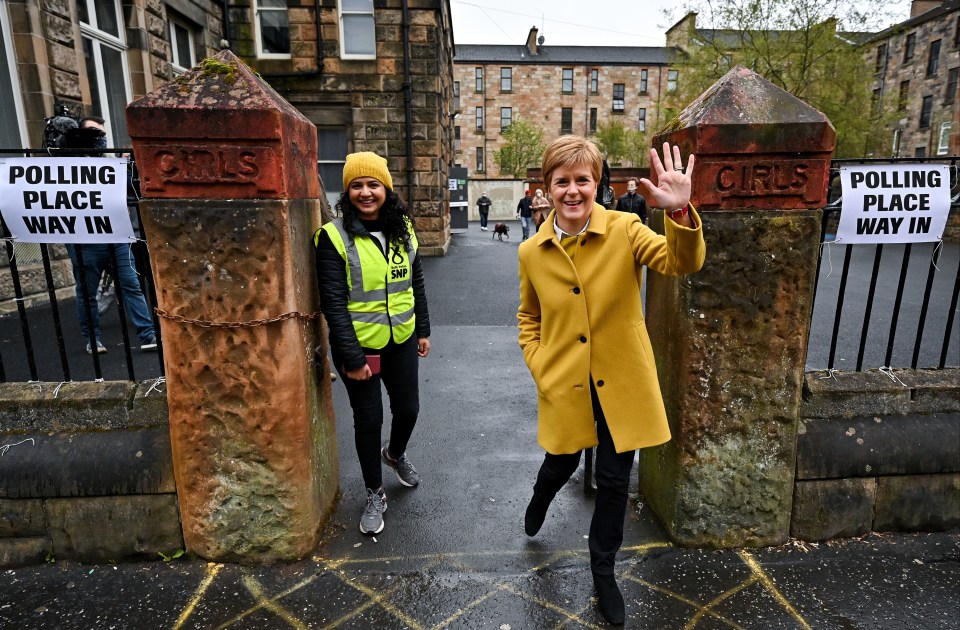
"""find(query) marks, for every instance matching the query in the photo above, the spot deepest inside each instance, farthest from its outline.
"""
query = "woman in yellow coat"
(584, 338)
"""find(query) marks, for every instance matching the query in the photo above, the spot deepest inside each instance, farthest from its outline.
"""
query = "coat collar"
(598, 225)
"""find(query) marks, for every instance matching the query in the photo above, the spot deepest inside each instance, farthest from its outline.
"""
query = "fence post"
(231, 199)
(731, 340)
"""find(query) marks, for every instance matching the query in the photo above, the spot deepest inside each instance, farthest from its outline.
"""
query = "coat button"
(583, 339)
(576, 290)
(600, 383)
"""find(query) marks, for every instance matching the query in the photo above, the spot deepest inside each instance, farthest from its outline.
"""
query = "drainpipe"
(407, 103)
(225, 39)
(309, 73)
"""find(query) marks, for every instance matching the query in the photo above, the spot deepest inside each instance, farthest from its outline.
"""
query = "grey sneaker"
(406, 473)
(100, 348)
(371, 521)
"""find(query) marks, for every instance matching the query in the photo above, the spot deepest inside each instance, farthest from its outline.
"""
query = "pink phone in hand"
(373, 360)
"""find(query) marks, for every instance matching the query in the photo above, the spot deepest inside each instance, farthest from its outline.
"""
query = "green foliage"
(621, 146)
(523, 149)
(176, 554)
(806, 47)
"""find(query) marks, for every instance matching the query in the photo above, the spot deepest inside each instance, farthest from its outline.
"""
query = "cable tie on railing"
(826, 245)
(98, 380)
(56, 391)
(156, 386)
(933, 259)
(831, 373)
(6, 447)
(38, 384)
(889, 372)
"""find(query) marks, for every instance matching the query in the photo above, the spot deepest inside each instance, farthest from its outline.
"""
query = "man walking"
(525, 214)
(633, 202)
(483, 205)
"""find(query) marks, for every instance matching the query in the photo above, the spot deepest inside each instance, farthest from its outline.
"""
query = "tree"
(523, 149)
(806, 47)
(619, 145)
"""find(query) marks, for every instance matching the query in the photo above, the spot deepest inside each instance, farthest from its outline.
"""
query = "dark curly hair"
(394, 218)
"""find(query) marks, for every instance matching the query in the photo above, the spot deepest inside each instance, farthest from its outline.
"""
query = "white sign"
(65, 200)
(894, 203)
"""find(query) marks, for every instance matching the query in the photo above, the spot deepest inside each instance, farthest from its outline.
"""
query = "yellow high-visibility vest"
(380, 288)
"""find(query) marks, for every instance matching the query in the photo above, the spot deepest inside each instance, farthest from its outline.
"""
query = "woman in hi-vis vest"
(373, 298)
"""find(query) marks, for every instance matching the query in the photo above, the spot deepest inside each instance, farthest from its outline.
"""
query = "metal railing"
(52, 347)
(887, 307)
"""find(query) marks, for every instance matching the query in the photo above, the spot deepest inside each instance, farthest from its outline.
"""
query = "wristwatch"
(679, 213)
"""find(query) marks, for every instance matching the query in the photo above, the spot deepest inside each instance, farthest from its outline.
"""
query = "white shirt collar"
(560, 233)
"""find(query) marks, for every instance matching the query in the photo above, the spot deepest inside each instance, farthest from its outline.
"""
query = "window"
(506, 79)
(567, 80)
(904, 96)
(956, 34)
(272, 29)
(875, 101)
(480, 165)
(943, 146)
(643, 81)
(478, 74)
(479, 119)
(951, 85)
(594, 81)
(642, 123)
(925, 111)
(456, 96)
(105, 63)
(672, 76)
(920, 152)
(618, 97)
(896, 143)
(506, 117)
(881, 57)
(909, 46)
(593, 120)
(456, 138)
(358, 29)
(566, 120)
(12, 131)
(331, 156)
(933, 61)
(181, 46)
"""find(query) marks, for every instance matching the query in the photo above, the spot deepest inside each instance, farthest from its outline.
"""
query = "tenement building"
(561, 89)
(917, 66)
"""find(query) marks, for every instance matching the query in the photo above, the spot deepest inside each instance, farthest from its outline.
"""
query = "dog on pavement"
(500, 230)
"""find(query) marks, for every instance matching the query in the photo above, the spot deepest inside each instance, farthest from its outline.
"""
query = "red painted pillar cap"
(219, 131)
(757, 146)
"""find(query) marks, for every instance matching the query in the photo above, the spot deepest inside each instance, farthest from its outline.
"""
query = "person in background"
(525, 214)
(541, 208)
(373, 298)
(633, 201)
(99, 257)
(483, 207)
(584, 340)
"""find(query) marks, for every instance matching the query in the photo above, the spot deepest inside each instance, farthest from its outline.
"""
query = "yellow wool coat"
(586, 319)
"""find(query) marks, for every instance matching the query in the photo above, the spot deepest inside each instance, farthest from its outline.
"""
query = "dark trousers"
(398, 373)
(483, 218)
(612, 472)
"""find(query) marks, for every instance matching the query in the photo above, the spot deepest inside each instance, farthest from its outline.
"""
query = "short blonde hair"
(567, 151)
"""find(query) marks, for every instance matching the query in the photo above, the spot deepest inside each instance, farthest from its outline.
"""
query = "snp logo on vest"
(398, 270)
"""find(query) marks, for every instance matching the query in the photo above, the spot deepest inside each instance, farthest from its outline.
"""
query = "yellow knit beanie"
(366, 164)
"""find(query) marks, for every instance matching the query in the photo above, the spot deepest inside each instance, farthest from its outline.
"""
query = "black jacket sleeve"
(332, 285)
(420, 299)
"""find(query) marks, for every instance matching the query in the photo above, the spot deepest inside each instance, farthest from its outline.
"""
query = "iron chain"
(203, 323)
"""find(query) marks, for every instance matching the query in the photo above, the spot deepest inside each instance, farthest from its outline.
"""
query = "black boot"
(609, 599)
(536, 512)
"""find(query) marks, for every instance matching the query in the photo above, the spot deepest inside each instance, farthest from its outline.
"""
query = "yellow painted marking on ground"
(708, 609)
(446, 622)
(770, 586)
(563, 624)
(550, 606)
(378, 598)
(367, 604)
(685, 600)
(646, 547)
(211, 573)
(296, 587)
(270, 603)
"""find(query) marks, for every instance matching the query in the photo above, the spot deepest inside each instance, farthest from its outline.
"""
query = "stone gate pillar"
(731, 340)
(231, 200)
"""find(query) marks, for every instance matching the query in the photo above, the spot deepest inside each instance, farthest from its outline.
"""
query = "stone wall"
(85, 473)
(876, 453)
(33, 280)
